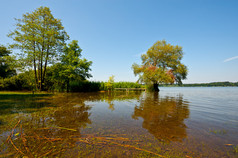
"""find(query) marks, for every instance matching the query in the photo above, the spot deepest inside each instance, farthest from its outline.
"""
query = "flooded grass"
(17, 93)
(235, 149)
(119, 124)
(218, 131)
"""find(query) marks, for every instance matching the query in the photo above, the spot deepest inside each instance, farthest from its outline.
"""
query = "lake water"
(176, 122)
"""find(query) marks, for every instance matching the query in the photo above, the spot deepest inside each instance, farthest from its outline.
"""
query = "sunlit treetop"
(161, 65)
(41, 38)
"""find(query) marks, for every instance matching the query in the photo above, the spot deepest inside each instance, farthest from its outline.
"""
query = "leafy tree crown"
(161, 64)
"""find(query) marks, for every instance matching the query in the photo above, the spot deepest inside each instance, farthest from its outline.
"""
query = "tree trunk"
(156, 87)
(67, 85)
(41, 69)
(42, 54)
(36, 79)
(38, 76)
(41, 74)
(156, 97)
(44, 72)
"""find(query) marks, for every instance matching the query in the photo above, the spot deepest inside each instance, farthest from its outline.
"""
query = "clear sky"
(113, 33)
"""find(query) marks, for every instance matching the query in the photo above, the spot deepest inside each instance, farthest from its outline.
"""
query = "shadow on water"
(15, 103)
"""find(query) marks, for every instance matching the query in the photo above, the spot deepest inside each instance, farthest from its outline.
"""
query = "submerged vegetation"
(218, 131)
(235, 149)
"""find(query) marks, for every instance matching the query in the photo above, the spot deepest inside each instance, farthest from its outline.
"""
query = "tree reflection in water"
(163, 116)
(111, 97)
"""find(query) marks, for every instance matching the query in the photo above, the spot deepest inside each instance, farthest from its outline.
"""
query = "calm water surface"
(176, 122)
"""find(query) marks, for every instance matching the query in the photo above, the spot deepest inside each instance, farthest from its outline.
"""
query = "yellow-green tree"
(161, 65)
(41, 38)
(110, 83)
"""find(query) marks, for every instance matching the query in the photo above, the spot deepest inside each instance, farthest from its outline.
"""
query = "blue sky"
(113, 33)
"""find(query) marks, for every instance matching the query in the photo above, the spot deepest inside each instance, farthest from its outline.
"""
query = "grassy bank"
(25, 93)
(91, 86)
(74, 86)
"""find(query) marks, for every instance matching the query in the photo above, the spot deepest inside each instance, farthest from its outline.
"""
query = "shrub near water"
(127, 85)
(19, 82)
(24, 82)
(92, 86)
(84, 86)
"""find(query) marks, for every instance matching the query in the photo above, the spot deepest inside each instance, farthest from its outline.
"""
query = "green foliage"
(23, 81)
(71, 68)
(75, 67)
(91, 86)
(127, 85)
(109, 84)
(103, 86)
(150, 87)
(84, 86)
(6, 63)
(235, 149)
(161, 65)
(41, 37)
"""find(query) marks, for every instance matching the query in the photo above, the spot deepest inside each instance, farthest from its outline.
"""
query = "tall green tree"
(72, 66)
(161, 65)
(6, 63)
(41, 37)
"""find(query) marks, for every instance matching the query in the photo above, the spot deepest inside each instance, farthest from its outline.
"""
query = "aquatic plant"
(235, 149)
(218, 131)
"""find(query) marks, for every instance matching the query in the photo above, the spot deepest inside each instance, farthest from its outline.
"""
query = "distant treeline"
(212, 84)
